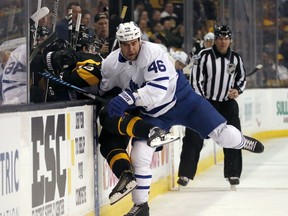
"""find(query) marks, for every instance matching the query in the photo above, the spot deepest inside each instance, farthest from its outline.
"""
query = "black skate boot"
(233, 182)
(183, 181)
(252, 145)
(125, 185)
(159, 137)
(139, 210)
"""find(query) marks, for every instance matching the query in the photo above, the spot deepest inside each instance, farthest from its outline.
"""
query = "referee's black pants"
(193, 143)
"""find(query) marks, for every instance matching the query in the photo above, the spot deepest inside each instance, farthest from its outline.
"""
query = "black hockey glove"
(61, 60)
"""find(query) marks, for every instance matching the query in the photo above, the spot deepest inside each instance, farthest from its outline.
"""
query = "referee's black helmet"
(223, 31)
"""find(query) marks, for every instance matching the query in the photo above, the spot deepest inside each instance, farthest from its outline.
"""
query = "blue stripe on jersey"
(157, 86)
(143, 187)
(13, 87)
(143, 176)
(9, 81)
(157, 109)
(161, 79)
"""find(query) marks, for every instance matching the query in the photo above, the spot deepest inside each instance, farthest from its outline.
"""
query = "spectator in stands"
(210, 9)
(282, 71)
(156, 18)
(144, 15)
(283, 49)
(146, 34)
(168, 11)
(101, 27)
(148, 7)
(269, 74)
(197, 42)
(103, 6)
(179, 32)
(86, 20)
(139, 7)
(158, 36)
(62, 26)
(198, 14)
(172, 39)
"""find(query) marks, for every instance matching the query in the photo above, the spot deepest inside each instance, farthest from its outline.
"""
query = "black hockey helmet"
(58, 44)
(84, 39)
(42, 32)
(40, 35)
(223, 31)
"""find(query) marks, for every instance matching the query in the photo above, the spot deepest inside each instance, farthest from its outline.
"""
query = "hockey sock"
(119, 161)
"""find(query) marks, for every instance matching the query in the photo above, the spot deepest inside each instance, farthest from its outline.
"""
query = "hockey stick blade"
(69, 85)
(39, 14)
(258, 67)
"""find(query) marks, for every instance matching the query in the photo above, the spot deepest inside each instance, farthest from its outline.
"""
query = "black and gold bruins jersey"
(87, 73)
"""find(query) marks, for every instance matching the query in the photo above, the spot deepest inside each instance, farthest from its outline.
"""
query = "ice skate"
(183, 181)
(252, 145)
(159, 137)
(233, 182)
(139, 210)
(125, 185)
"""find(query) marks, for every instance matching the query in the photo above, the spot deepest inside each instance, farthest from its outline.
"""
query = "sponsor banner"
(47, 162)
(263, 110)
(11, 183)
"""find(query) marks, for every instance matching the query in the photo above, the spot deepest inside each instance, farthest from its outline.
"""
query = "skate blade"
(158, 143)
(233, 187)
(118, 196)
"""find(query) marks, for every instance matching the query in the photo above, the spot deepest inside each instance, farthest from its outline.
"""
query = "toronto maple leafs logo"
(134, 86)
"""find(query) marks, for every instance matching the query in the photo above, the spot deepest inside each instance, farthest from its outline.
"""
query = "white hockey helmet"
(209, 36)
(180, 56)
(128, 31)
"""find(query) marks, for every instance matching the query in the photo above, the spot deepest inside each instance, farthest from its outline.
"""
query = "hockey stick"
(76, 88)
(70, 27)
(258, 67)
(39, 14)
(34, 19)
(123, 13)
(77, 28)
(122, 16)
(55, 13)
(42, 45)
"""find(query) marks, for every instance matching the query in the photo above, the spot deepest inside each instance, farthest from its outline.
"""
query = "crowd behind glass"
(260, 34)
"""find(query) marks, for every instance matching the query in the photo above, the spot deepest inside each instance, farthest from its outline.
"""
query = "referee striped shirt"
(214, 74)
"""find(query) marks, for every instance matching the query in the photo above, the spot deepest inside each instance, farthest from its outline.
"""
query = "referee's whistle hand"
(233, 93)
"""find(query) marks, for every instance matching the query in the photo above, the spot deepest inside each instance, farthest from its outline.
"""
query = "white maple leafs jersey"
(151, 77)
(14, 81)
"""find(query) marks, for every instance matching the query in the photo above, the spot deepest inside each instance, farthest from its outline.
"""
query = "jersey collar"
(121, 58)
(218, 54)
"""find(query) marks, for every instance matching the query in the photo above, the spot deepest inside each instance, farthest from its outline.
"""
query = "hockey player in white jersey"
(149, 81)
(14, 80)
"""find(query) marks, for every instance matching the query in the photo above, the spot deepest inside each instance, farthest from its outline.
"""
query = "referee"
(218, 75)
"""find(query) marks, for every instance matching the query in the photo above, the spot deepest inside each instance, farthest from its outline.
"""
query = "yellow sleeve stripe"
(90, 61)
